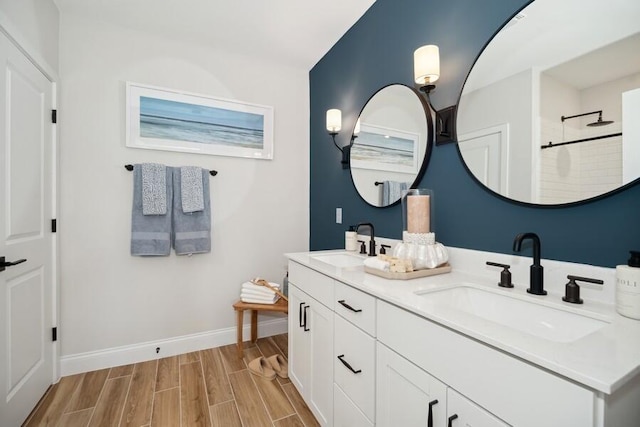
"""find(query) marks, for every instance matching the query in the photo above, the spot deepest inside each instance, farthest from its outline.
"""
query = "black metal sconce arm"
(346, 150)
(444, 123)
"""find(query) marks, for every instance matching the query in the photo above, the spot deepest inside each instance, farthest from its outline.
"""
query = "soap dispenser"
(351, 239)
(628, 287)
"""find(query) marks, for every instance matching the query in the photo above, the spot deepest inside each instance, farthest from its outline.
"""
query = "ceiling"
(549, 33)
(293, 32)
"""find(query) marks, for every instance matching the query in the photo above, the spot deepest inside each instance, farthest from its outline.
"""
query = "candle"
(418, 214)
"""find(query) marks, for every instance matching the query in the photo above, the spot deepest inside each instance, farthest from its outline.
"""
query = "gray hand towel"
(392, 191)
(191, 188)
(191, 231)
(150, 234)
(154, 189)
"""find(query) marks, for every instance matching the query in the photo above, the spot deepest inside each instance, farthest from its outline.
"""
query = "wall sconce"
(334, 125)
(426, 70)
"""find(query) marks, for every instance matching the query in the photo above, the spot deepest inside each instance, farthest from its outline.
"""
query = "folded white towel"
(268, 294)
(249, 285)
(376, 263)
(256, 300)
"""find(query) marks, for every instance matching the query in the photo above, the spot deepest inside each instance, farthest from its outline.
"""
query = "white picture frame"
(171, 120)
(381, 148)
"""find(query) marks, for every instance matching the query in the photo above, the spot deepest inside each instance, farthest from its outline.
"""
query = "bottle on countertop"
(628, 287)
(351, 239)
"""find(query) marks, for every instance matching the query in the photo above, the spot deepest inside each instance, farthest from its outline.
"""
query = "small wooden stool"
(281, 306)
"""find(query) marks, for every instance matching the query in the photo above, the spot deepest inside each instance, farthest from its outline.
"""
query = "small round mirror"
(392, 148)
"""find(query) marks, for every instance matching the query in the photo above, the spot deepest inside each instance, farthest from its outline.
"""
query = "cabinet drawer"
(354, 365)
(315, 284)
(356, 306)
(345, 412)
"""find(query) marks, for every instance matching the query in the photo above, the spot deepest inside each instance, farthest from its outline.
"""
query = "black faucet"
(536, 285)
(372, 242)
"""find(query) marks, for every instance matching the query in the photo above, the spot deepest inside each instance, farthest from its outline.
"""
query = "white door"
(486, 154)
(26, 350)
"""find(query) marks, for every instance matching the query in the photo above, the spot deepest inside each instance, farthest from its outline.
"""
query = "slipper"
(279, 365)
(260, 367)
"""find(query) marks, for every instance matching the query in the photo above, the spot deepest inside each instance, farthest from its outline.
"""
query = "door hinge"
(54, 116)
(54, 225)
(54, 334)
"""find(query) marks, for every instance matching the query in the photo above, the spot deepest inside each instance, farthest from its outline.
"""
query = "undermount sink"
(340, 259)
(529, 317)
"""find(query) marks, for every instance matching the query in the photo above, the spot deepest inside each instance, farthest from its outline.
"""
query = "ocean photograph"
(164, 119)
(377, 151)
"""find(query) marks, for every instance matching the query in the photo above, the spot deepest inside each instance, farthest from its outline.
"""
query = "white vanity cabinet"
(311, 340)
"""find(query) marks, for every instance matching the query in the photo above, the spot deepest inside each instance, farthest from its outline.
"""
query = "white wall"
(260, 208)
(35, 23)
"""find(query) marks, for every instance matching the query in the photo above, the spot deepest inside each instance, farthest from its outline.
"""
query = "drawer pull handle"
(430, 419)
(300, 314)
(305, 319)
(348, 307)
(451, 418)
(345, 363)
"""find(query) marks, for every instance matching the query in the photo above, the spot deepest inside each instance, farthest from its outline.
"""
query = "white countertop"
(603, 360)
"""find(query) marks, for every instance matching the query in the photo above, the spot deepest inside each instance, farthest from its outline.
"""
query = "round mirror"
(548, 114)
(392, 148)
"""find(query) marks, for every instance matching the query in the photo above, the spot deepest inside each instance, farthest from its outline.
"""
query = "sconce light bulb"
(426, 64)
(334, 120)
(356, 129)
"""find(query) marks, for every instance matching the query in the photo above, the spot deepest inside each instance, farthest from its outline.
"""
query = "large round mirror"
(549, 112)
(391, 150)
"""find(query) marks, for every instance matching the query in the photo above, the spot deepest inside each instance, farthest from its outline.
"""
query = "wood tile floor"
(205, 388)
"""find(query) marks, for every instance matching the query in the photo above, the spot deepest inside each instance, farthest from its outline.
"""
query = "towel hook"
(130, 168)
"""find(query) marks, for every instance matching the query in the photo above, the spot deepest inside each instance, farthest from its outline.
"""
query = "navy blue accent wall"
(378, 50)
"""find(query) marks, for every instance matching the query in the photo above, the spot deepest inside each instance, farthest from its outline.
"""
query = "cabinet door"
(346, 413)
(298, 357)
(461, 412)
(319, 327)
(406, 394)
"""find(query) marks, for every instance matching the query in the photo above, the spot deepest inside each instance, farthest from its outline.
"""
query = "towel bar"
(130, 168)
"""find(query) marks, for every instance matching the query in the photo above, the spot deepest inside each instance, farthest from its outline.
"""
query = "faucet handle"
(505, 275)
(572, 290)
(363, 247)
(383, 249)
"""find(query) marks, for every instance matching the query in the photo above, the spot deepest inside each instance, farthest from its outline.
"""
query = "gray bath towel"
(154, 189)
(191, 231)
(191, 187)
(150, 234)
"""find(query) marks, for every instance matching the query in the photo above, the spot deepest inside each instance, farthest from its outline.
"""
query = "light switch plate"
(338, 215)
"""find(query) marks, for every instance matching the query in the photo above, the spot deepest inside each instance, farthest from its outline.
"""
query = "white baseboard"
(117, 356)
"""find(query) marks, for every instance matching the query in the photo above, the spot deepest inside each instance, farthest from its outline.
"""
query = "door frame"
(16, 37)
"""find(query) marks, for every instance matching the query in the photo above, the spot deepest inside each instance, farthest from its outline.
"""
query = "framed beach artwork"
(165, 119)
(385, 149)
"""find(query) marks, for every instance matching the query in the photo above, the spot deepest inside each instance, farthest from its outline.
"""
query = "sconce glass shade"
(356, 129)
(334, 120)
(426, 64)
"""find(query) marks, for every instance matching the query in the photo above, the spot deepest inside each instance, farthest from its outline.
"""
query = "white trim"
(17, 38)
(117, 356)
